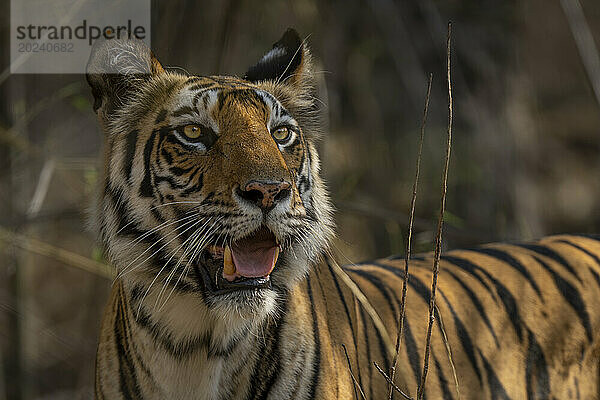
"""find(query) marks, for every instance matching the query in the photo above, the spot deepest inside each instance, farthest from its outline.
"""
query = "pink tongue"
(254, 261)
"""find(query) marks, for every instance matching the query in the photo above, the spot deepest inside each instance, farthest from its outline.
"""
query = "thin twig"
(585, 42)
(438, 237)
(448, 351)
(387, 378)
(42, 187)
(62, 255)
(411, 219)
(356, 384)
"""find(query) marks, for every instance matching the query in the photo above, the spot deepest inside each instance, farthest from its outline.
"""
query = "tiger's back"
(522, 320)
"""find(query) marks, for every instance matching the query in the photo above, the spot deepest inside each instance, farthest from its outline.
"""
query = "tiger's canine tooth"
(276, 256)
(228, 265)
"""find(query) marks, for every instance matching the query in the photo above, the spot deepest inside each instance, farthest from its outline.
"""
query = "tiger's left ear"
(287, 62)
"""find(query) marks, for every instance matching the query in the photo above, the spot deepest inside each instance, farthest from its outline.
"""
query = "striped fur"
(522, 319)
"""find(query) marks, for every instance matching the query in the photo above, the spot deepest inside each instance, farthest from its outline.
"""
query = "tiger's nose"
(265, 194)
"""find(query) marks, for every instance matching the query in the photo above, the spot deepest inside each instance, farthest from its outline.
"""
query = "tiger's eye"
(281, 134)
(192, 131)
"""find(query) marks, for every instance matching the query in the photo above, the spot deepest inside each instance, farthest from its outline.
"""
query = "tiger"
(213, 212)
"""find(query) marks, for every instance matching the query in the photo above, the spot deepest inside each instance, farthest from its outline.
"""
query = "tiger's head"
(211, 185)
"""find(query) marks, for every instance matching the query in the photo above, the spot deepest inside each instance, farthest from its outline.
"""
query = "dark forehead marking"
(203, 93)
(193, 79)
(161, 116)
(269, 96)
(245, 96)
(201, 86)
(205, 101)
(185, 110)
(232, 82)
(283, 112)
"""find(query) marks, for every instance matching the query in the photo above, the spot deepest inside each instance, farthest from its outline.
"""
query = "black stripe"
(136, 354)
(196, 187)
(316, 362)
(268, 368)
(167, 155)
(382, 348)
(128, 383)
(510, 260)
(181, 171)
(185, 348)
(596, 276)
(347, 311)
(379, 286)
(146, 189)
(446, 393)
(536, 369)
(130, 152)
(465, 339)
(157, 215)
(368, 348)
(477, 304)
(506, 297)
(415, 283)
(471, 270)
(328, 312)
(572, 296)
(193, 79)
(396, 257)
(412, 351)
(185, 110)
(423, 291)
(161, 116)
(201, 86)
(589, 253)
(547, 252)
(592, 236)
(496, 388)
(201, 94)
(123, 215)
(275, 350)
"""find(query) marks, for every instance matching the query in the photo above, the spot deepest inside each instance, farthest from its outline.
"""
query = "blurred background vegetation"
(525, 161)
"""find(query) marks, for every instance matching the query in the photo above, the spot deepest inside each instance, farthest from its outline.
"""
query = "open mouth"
(245, 264)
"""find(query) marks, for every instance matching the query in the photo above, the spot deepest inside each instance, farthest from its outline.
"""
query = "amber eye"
(192, 131)
(281, 134)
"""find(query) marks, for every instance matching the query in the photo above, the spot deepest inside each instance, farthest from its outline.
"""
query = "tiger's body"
(216, 218)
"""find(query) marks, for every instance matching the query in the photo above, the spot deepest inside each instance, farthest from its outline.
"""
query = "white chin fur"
(257, 305)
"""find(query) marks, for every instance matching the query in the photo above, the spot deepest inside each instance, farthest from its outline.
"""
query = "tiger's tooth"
(228, 265)
(276, 256)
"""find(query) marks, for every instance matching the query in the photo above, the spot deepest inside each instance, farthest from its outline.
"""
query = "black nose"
(265, 194)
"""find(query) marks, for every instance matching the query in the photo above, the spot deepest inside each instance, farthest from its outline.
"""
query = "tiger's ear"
(287, 62)
(116, 70)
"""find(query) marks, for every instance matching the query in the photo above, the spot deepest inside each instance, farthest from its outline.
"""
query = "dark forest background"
(525, 161)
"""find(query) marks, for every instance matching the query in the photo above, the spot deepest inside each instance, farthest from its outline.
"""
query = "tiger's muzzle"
(245, 264)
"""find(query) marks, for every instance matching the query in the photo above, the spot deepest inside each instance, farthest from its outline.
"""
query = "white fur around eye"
(198, 145)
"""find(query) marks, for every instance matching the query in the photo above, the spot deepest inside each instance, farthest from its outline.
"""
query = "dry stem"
(387, 378)
(356, 384)
(438, 238)
(364, 301)
(448, 351)
(62, 255)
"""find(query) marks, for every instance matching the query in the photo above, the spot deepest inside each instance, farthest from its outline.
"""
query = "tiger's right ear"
(115, 71)
(288, 62)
